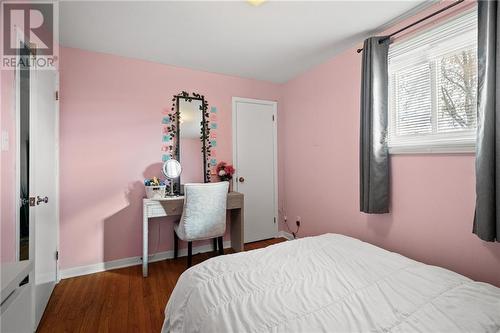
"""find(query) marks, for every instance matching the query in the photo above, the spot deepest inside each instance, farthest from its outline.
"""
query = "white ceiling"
(274, 41)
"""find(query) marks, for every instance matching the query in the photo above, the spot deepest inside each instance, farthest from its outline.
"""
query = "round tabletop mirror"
(172, 169)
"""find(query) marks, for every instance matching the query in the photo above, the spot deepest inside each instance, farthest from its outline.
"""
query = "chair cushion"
(204, 214)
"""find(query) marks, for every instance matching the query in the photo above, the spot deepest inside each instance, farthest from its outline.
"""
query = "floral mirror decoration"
(171, 133)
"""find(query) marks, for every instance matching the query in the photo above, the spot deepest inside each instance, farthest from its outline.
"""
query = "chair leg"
(215, 244)
(176, 245)
(190, 254)
(221, 245)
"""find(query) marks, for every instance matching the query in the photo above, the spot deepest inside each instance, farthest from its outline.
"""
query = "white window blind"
(432, 88)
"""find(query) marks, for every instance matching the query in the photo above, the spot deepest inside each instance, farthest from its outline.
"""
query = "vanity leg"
(215, 244)
(221, 245)
(144, 243)
(176, 245)
(237, 228)
(190, 254)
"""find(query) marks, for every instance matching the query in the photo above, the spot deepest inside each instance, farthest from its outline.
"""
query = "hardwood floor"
(120, 300)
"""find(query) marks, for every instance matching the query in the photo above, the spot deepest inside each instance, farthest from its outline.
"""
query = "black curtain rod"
(417, 22)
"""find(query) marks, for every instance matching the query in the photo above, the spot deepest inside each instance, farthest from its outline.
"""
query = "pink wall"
(432, 195)
(111, 109)
(7, 169)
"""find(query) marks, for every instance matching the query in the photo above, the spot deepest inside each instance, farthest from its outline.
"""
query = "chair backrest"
(204, 214)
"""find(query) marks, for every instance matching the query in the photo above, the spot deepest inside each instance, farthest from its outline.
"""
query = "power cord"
(294, 234)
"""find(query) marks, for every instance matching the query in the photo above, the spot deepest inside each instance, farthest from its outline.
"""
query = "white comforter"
(328, 283)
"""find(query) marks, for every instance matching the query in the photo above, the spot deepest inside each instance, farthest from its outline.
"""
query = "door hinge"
(57, 255)
(273, 117)
(275, 220)
(32, 48)
(57, 95)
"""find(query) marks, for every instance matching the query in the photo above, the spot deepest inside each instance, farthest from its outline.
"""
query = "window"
(432, 89)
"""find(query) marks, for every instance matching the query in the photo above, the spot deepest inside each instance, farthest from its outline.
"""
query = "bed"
(328, 283)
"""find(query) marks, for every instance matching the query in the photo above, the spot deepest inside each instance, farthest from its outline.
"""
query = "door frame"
(33, 111)
(274, 105)
(17, 190)
(17, 106)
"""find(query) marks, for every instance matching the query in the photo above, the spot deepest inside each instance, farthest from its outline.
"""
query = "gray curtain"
(487, 218)
(374, 157)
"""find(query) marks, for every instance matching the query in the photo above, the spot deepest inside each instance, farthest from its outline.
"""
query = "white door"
(43, 186)
(255, 159)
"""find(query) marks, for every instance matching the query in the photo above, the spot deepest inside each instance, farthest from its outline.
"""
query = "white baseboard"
(284, 234)
(126, 262)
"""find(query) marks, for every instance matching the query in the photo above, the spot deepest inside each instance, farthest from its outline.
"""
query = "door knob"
(39, 200)
(28, 201)
(241, 180)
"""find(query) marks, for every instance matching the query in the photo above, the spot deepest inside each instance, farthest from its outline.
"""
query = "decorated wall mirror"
(190, 132)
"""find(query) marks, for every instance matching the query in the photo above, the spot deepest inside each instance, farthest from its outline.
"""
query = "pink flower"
(225, 171)
(220, 166)
(229, 169)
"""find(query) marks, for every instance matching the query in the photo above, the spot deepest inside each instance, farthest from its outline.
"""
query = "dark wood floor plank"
(85, 300)
(107, 306)
(71, 316)
(93, 304)
(153, 299)
(136, 318)
(119, 308)
(119, 300)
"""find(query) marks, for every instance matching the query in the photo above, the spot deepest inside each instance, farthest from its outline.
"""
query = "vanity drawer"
(174, 208)
(155, 210)
(164, 208)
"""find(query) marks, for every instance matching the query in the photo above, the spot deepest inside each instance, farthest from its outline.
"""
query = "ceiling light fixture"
(256, 2)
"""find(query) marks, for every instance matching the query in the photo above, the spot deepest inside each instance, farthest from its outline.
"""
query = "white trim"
(284, 234)
(33, 120)
(274, 104)
(435, 149)
(452, 145)
(57, 185)
(131, 261)
(17, 185)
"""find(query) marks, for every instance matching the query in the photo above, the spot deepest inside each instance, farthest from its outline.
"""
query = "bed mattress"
(328, 283)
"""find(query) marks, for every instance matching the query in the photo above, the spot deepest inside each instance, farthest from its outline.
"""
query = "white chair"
(203, 216)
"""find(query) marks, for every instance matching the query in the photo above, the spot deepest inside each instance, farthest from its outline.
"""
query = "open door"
(43, 185)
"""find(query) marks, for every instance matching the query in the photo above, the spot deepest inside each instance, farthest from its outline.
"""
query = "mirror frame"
(164, 168)
(174, 130)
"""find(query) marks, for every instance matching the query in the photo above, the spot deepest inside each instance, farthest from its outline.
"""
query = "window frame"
(441, 143)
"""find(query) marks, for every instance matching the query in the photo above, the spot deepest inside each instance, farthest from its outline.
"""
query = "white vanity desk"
(173, 207)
